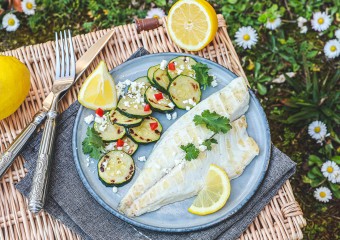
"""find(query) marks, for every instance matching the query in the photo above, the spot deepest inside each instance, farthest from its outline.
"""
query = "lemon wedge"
(192, 24)
(215, 193)
(99, 90)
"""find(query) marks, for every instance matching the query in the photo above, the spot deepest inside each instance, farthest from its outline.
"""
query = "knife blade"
(7, 158)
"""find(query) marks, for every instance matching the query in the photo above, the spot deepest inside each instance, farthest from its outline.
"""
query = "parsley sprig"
(213, 121)
(201, 74)
(93, 144)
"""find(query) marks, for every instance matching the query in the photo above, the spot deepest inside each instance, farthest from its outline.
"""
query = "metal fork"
(65, 75)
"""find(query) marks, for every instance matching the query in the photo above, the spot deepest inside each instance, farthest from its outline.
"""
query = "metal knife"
(7, 158)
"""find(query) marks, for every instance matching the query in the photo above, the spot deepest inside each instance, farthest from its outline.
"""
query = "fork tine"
(67, 56)
(62, 74)
(57, 57)
(73, 62)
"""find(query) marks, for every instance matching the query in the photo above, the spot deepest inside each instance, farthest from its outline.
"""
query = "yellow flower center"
(321, 20)
(11, 22)
(155, 16)
(246, 37)
(272, 20)
(29, 5)
(317, 129)
(333, 48)
(330, 169)
(322, 194)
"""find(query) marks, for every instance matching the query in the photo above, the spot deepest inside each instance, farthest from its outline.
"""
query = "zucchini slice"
(183, 66)
(151, 71)
(162, 105)
(129, 107)
(143, 133)
(117, 118)
(139, 86)
(112, 132)
(184, 88)
(161, 80)
(115, 168)
(130, 147)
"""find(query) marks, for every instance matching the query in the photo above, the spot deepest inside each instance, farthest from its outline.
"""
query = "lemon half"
(192, 24)
(99, 90)
(215, 193)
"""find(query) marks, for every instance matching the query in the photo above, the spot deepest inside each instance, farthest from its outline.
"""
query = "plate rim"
(163, 229)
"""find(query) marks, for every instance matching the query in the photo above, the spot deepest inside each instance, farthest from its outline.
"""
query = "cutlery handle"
(7, 158)
(39, 186)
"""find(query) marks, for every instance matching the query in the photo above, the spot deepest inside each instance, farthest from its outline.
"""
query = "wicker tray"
(281, 219)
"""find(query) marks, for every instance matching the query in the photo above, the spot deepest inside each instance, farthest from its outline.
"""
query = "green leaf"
(213, 121)
(311, 54)
(306, 179)
(336, 159)
(209, 142)
(93, 144)
(261, 88)
(335, 189)
(232, 1)
(316, 171)
(315, 182)
(313, 159)
(191, 152)
(202, 76)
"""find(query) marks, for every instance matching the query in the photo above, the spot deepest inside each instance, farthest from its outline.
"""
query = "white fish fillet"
(234, 152)
(232, 101)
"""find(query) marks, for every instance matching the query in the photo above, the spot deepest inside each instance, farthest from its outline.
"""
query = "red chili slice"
(158, 96)
(100, 112)
(171, 66)
(146, 108)
(120, 143)
(154, 126)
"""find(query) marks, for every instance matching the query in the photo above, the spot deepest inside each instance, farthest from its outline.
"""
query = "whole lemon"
(14, 85)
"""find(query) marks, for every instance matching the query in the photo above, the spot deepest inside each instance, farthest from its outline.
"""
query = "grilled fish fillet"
(232, 101)
(234, 152)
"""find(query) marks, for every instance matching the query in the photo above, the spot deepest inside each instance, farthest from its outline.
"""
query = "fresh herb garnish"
(93, 144)
(213, 121)
(209, 142)
(191, 152)
(202, 76)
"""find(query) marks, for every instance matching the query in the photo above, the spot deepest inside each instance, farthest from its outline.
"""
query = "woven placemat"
(282, 218)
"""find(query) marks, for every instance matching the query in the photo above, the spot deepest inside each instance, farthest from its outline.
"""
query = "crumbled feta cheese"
(181, 67)
(104, 164)
(202, 148)
(135, 106)
(126, 104)
(142, 158)
(110, 146)
(115, 189)
(199, 140)
(119, 148)
(89, 119)
(191, 102)
(185, 101)
(102, 127)
(171, 105)
(118, 172)
(175, 63)
(187, 108)
(127, 82)
(174, 115)
(127, 147)
(189, 67)
(125, 144)
(179, 71)
(98, 119)
(168, 116)
(214, 83)
(163, 64)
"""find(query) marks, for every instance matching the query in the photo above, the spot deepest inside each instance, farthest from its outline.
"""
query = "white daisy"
(246, 37)
(28, 6)
(332, 48)
(321, 21)
(329, 168)
(337, 34)
(10, 22)
(303, 29)
(301, 21)
(323, 194)
(317, 130)
(335, 177)
(155, 13)
(273, 24)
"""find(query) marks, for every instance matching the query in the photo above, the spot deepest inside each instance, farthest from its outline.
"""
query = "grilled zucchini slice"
(130, 147)
(139, 87)
(130, 108)
(117, 118)
(183, 66)
(116, 168)
(162, 105)
(112, 132)
(144, 133)
(161, 80)
(151, 71)
(184, 88)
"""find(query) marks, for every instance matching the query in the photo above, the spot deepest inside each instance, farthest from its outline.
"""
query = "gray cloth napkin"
(69, 201)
